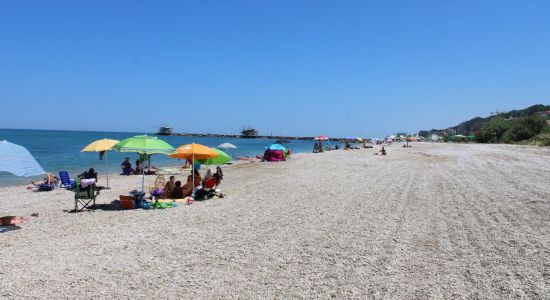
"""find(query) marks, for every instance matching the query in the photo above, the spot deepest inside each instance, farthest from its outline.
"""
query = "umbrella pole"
(193, 174)
(142, 178)
(107, 168)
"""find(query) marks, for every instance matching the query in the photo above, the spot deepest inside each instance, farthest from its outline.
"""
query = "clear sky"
(338, 68)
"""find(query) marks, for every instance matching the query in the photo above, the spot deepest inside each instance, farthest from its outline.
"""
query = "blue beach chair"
(66, 181)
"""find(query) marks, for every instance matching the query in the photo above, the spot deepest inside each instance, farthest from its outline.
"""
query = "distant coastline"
(238, 136)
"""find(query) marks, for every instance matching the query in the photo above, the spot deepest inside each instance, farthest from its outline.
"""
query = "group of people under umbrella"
(18, 160)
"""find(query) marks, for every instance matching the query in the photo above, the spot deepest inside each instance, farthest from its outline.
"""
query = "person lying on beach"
(169, 187)
(151, 170)
(127, 167)
(49, 180)
(177, 192)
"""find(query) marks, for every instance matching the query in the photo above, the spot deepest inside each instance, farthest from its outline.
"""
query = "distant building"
(436, 137)
(165, 131)
(249, 132)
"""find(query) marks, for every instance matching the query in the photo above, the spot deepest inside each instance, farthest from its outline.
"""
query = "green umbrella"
(144, 145)
(221, 159)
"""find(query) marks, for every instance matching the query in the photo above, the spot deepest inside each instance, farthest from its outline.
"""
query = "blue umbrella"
(276, 147)
(17, 160)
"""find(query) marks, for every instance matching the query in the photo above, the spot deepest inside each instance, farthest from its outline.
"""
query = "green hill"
(509, 127)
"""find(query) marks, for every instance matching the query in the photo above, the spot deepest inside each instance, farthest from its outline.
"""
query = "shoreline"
(19, 182)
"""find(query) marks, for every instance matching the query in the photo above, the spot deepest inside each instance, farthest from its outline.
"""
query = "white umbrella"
(227, 146)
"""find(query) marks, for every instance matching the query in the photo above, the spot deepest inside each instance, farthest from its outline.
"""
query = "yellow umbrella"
(101, 146)
(192, 152)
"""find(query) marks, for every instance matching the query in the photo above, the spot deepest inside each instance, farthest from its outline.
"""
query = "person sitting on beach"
(90, 174)
(218, 175)
(266, 155)
(139, 168)
(347, 146)
(208, 174)
(177, 192)
(383, 151)
(188, 187)
(169, 187)
(49, 180)
(126, 167)
(88, 179)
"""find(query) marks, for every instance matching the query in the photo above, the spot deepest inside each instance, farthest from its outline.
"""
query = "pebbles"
(435, 220)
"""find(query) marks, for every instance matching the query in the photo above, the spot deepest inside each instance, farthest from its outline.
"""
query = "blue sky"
(366, 68)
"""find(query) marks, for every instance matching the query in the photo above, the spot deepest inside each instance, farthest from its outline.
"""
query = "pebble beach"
(460, 221)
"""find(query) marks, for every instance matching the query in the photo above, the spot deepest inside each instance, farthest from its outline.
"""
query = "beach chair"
(84, 196)
(66, 181)
(208, 189)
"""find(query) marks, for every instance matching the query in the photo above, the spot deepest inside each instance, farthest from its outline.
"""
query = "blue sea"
(57, 150)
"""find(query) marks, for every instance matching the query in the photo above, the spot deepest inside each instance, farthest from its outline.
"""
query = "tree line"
(500, 130)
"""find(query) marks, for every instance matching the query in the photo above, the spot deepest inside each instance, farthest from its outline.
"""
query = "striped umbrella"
(17, 160)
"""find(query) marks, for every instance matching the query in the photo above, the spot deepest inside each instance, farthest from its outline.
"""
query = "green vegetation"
(527, 127)
(493, 130)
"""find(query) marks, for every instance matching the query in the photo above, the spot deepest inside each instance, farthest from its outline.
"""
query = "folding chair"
(84, 196)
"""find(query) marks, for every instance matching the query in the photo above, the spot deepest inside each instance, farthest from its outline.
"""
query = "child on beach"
(177, 192)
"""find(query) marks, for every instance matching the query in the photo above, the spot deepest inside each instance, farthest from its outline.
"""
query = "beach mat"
(172, 200)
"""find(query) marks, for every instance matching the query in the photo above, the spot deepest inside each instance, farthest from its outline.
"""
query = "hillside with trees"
(530, 125)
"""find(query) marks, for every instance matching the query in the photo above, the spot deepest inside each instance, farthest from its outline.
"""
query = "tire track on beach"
(481, 233)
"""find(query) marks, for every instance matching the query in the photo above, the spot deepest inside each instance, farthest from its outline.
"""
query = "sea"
(57, 150)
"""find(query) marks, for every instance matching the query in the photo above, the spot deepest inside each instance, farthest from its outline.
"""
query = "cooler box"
(126, 202)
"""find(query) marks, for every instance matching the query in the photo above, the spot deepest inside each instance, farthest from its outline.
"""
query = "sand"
(433, 221)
